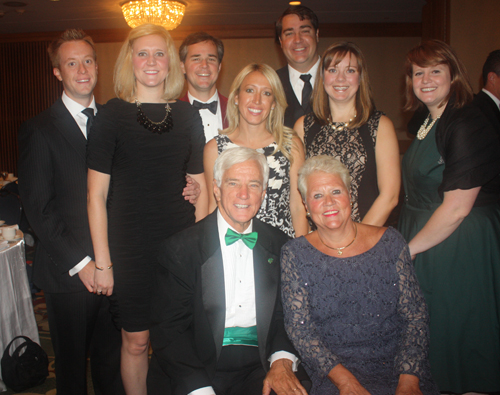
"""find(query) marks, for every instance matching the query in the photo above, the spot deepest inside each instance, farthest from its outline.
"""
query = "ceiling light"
(167, 13)
(294, 3)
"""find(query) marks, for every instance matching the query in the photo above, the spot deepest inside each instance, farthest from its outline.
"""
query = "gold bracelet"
(101, 268)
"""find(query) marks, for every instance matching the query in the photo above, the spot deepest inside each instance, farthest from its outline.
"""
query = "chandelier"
(166, 13)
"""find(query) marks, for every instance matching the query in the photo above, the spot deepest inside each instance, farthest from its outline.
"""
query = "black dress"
(355, 148)
(145, 203)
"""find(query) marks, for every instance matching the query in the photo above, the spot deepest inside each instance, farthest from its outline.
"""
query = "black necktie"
(306, 91)
(89, 112)
(212, 106)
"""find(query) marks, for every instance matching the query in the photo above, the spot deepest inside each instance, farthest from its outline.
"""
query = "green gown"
(460, 278)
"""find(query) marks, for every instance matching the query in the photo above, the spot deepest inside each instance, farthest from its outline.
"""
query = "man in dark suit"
(297, 33)
(488, 100)
(201, 56)
(218, 315)
(53, 188)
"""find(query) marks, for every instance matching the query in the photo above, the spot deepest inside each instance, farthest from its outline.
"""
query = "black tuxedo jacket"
(489, 108)
(189, 305)
(294, 110)
(53, 188)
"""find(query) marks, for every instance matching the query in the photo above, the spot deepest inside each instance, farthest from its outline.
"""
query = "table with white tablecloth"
(16, 308)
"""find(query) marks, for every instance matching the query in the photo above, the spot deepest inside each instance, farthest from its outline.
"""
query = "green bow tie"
(248, 238)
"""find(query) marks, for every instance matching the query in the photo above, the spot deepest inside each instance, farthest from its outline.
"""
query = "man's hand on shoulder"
(87, 276)
(282, 380)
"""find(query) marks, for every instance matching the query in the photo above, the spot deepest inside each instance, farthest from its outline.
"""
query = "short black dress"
(145, 203)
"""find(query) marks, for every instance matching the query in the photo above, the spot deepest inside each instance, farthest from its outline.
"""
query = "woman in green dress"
(451, 219)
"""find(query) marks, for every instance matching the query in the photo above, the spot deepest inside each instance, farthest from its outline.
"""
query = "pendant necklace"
(339, 249)
(165, 125)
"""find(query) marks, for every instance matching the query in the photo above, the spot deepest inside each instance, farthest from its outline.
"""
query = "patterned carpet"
(49, 386)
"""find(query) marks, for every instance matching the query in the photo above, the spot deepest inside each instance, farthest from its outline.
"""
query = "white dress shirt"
(297, 83)
(239, 285)
(75, 109)
(211, 122)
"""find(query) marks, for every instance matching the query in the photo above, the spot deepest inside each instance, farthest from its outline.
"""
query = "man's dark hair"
(302, 12)
(492, 64)
(67, 36)
(200, 37)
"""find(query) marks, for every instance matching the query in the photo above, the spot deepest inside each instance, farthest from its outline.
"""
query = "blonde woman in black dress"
(141, 147)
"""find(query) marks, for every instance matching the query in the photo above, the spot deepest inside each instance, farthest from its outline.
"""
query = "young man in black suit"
(298, 34)
(218, 321)
(53, 188)
(488, 100)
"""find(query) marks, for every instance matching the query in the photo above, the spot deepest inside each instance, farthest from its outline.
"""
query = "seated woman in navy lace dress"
(353, 307)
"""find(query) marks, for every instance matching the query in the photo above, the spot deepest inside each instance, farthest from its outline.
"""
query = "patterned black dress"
(275, 209)
(355, 148)
(365, 312)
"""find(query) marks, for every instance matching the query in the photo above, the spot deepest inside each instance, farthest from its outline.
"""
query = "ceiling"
(48, 16)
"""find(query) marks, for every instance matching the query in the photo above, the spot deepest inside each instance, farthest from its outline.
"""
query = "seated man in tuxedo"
(488, 100)
(218, 320)
(201, 56)
(297, 33)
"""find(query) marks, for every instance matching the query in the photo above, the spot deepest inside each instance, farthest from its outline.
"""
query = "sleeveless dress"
(355, 148)
(460, 277)
(275, 209)
(366, 312)
(145, 203)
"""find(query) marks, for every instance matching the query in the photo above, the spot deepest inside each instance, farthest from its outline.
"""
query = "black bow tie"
(212, 106)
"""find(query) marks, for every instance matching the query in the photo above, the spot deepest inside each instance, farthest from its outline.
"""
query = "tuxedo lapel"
(67, 126)
(212, 280)
(266, 273)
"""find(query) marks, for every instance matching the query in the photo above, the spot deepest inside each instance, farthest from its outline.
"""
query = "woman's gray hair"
(237, 155)
(326, 164)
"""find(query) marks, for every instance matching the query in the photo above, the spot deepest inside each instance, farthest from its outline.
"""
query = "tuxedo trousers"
(81, 326)
(239, 372)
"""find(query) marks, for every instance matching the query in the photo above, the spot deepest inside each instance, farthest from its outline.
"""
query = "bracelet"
(101, 268)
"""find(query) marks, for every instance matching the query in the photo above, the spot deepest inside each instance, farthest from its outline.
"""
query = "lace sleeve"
(299, 326)
(414, 343)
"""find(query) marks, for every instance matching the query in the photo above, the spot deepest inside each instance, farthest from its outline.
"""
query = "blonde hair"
(124, 78)
(282, 135)
(364, 98)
